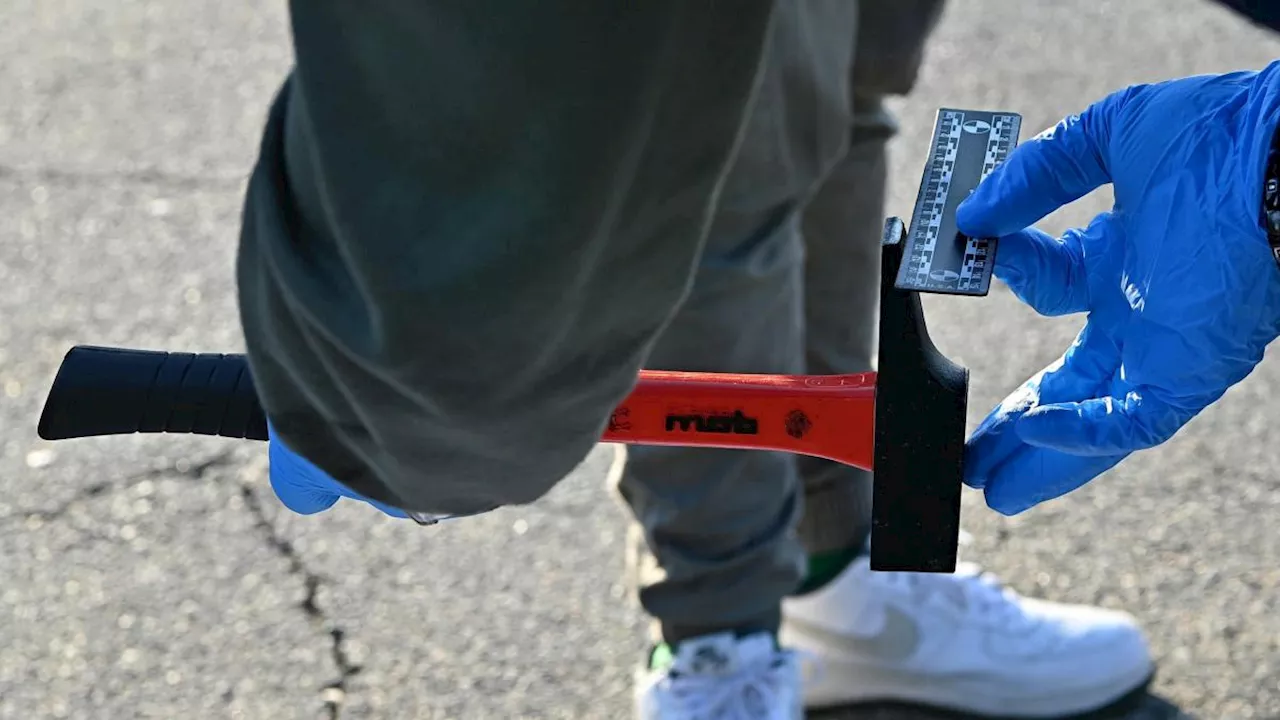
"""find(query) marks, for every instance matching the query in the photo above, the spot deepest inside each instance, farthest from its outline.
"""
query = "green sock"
(825, 566)
(662, 656)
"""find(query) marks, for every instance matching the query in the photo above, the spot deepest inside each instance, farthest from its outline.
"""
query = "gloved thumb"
(1045, 273)
(1054, 168)
(299, 499)
(1103, 425)
(294, 479)
(1051, 274)
(306, 489)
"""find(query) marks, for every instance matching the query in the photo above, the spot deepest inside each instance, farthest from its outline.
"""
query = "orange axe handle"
(826, 416)
(114, 391)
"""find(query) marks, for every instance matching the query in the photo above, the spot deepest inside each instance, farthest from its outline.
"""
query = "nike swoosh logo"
(897, 639)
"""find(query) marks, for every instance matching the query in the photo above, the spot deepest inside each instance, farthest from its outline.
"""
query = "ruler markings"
(967, 145)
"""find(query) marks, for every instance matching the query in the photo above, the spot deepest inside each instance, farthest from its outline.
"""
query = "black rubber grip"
(113, 391)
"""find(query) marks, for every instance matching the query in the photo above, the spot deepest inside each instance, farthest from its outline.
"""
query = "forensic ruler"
(938, 258)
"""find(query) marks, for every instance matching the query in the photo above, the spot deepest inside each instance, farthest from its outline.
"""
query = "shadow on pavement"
(1141, 707)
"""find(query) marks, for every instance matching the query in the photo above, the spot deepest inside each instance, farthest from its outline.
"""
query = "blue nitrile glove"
(1178, 281)
(305, 488)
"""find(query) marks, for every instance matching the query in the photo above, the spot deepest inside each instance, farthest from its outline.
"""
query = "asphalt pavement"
(158, 577)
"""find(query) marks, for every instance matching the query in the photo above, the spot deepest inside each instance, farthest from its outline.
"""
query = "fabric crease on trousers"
(471, 223)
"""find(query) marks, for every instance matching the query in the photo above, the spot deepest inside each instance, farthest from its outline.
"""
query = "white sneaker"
(961, 642)
(718, 677)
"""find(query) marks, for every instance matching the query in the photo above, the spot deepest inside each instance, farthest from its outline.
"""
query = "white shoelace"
(752, 693)
(990, 599)
(995, 602)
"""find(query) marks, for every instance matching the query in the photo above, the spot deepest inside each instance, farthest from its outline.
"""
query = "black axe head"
(921, 398)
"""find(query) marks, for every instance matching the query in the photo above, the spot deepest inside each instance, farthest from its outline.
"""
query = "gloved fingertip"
(1028, 479)
(977, 463)
(988, 211)
(1005, 503)
(994, 442)
(307, 503)
(981, 454)
(973, 216)
(297, 498)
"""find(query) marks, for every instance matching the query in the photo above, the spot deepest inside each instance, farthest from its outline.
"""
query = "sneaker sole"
(862, 684)
(1134, 701)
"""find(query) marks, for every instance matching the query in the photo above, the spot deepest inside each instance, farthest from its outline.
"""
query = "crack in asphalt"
(333, 693)
(196, 471)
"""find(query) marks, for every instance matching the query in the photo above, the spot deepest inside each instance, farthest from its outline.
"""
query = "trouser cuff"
(837, 510)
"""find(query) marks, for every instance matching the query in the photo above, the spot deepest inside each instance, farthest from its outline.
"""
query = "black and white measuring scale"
(938, 258)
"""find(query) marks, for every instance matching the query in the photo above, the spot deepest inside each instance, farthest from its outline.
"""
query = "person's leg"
(955, 640)
(468, 222)
(842, 229)
(841, 297)
(715, 543)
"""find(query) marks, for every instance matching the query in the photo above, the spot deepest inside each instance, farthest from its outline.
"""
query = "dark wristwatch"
(1271, 196)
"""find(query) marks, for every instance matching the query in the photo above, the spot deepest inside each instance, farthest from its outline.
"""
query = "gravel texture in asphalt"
(159, 578)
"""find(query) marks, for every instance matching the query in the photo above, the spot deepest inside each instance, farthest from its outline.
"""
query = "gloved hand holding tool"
(306, 489)
(1178, 281)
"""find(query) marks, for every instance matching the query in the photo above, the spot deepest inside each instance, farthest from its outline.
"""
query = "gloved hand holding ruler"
(906, 422)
